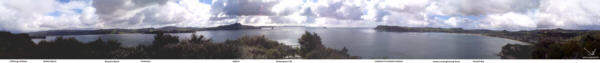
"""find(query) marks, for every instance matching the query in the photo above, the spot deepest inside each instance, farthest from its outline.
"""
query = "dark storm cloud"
(484, 7)
(123, 12)
(244, 7)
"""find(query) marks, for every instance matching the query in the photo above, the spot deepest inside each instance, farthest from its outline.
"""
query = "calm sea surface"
(364, 42)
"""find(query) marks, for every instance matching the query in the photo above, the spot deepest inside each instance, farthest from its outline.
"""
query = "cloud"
(156, 13)
(491, 14)
(572, 14)
(484, 7)
(245, 7)
(29, 6)
(123, 12)
(33, 15)
(344, 9)
(508, 21)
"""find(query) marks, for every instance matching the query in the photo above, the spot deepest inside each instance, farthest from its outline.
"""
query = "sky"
(512, 15)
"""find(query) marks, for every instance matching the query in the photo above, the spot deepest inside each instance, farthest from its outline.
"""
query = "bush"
(163, 47)
(311, 48)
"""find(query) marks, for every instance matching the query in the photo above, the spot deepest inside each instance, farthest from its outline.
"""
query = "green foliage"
(164, 47)
(311, 48)
(73, 49)
(103, 49)
(547, 43)
(200, 39)
(344, 50)
(16, 46)
(516, 51)
(568, 48)
(309, 42)
(161, 40)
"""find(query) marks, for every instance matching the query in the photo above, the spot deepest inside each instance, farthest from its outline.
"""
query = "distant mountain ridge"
(542, 43)
(530, 36)
(168, 29)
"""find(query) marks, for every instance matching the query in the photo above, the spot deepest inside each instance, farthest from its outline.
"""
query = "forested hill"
(531, 36)
(543, 44)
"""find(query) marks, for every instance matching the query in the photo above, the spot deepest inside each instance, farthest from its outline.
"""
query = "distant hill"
(418, 29)
(234, 26)
(531, 36)
(168, 29)
(543, 43)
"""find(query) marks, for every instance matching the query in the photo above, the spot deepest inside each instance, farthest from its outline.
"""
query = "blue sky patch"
(472, 17)
(206, 1)
(440, 17)
(78, 11)
(64, 1)
(55, 13)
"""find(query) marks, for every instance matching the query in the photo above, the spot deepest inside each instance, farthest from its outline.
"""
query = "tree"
(344, 50)
(16, 46)
(309, 42)
(100, 49)
(63, 48)
(311, 48)
(201, 39)
(161, 40)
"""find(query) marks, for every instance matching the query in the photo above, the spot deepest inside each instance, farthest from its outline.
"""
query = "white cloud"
(572, 14)
(33, 15)
(483, 7)
(118, 13)
(508, 21)
(30, 6)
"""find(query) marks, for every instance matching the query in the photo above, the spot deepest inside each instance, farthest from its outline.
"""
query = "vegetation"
(21, 46)
(16, 46)
(572, 48)
(554, 44)
(516, 51)
(164, 46)
(311, 48)
(543, 44)
(532, 36)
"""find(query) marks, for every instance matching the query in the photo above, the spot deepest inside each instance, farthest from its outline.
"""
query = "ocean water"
(363, 42)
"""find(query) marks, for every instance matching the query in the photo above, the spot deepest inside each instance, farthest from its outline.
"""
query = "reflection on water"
(364, 42)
